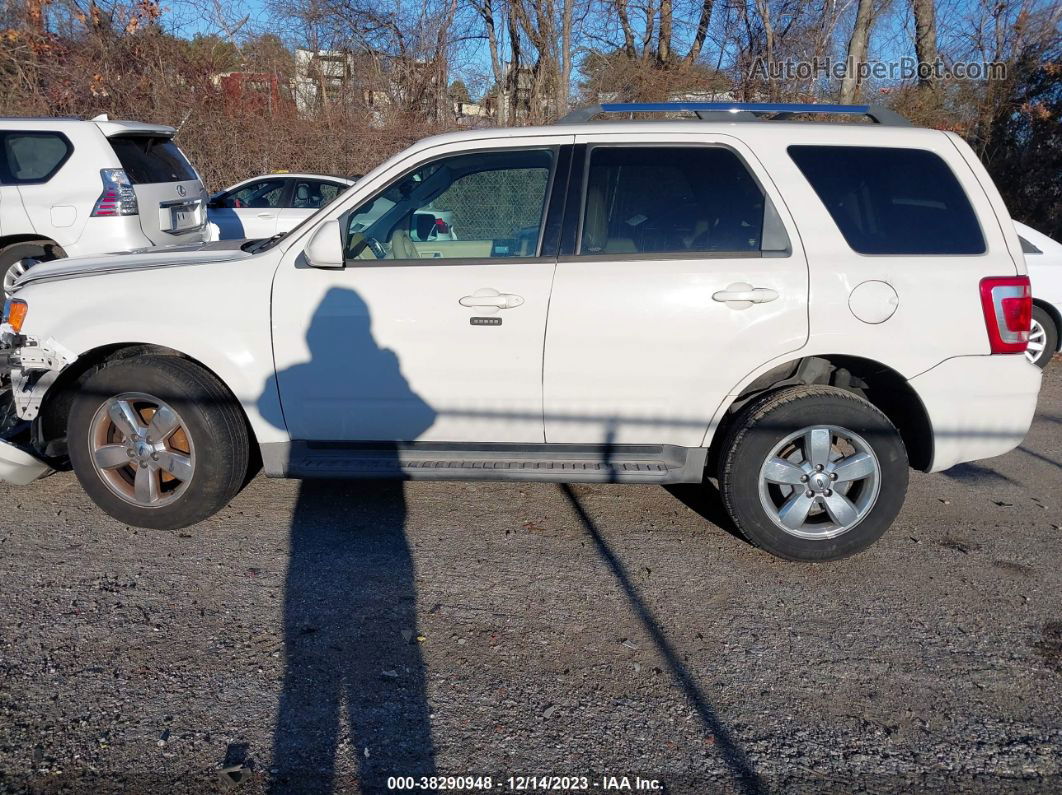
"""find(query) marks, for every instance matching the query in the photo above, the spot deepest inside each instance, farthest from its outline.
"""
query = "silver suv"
(70, 187)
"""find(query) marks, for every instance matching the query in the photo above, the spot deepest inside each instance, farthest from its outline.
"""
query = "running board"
(444, 461)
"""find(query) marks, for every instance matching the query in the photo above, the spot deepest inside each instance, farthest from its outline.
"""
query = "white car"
(1043, 256)
(70, 187)
(264, 206)
(261, 207)
(801, 310)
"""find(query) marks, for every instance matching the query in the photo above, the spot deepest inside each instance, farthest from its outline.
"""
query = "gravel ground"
(323, 636)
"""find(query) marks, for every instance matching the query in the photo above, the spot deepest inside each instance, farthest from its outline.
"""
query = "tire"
(1044, 334)
(191, 471)
(43, 250)
(772, 426)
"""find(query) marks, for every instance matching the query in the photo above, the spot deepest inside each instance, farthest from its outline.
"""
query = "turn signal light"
(15, 313)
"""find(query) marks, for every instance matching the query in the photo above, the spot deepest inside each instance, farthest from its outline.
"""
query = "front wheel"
(813, 473)
(157, 442)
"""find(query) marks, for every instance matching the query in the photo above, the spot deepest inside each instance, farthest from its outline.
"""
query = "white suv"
(800, 310)
(70, 187)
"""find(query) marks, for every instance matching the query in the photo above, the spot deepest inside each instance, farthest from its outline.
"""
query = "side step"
(557, 463)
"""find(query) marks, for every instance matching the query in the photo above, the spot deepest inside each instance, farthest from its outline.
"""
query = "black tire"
(43, 250)
(764, 424)
(1043, 317)
(211, 420)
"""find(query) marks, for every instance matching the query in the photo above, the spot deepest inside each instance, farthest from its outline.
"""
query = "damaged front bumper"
(28, 367)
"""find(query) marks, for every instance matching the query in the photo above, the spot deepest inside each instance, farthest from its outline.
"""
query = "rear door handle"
(491, 299)
(741, 295)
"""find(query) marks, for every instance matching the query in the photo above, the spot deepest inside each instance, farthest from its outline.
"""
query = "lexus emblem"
(180, 190)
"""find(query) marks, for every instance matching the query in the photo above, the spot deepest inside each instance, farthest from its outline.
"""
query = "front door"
(685, 276)
(416, 338)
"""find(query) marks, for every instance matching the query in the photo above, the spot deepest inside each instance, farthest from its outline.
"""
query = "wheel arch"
(49, 429)
(10, 240)
(879, 384)
(1055, 315)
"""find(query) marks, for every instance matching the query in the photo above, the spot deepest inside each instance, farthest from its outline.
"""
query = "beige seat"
(402, 246)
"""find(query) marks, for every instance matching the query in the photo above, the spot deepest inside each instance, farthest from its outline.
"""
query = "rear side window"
(312, 194)
(152, 159)
(33, 156)
(1027, 247)
(892, 201)
(670, 200)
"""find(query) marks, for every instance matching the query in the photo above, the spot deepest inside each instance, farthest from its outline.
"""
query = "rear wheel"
(157, 442)
(813, 473)
(1043, 338)
(11, 259)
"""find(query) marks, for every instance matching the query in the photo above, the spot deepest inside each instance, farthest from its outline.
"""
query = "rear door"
(44, 194)
(685, 274)
(169, 194)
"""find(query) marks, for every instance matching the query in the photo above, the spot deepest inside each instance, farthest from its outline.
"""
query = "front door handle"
(266, 215)
(491, 300)
(741, 295)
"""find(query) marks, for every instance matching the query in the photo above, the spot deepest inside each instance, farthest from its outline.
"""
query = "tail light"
(118, 197)
(1007, 304)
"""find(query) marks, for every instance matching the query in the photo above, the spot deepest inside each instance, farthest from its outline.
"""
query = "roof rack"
(738, 111)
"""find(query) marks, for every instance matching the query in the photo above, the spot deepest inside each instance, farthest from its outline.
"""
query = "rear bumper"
(978, 406)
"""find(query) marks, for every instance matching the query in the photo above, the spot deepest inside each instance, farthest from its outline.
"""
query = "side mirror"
(325, 249)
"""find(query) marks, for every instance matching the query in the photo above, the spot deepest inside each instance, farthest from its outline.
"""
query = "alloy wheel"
(141, 449)
(1037, 342)
(820, 482)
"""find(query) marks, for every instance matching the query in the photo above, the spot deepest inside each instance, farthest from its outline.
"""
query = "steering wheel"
(376, 247)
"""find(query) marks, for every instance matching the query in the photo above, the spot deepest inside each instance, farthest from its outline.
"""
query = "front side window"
(476, 205)
(263, 195)
(34, 156)
(670, 200)
(892, 201)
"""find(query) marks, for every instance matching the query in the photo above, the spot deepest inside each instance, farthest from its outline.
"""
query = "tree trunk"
(628, 32)
(702, 32)
(663, 42)
(857, 50)
(925, 38)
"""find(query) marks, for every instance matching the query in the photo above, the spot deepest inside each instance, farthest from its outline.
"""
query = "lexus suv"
(71, 187)
(798, 310)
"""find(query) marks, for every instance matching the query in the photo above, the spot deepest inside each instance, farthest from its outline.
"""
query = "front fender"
(218, 316)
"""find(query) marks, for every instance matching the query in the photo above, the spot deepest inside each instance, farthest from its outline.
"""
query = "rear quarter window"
(30, 157)
(890, 200)
(152, 159)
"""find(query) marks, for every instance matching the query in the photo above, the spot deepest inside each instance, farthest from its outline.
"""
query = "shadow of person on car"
(353, 702)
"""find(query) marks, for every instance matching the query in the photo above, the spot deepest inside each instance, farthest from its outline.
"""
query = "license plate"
(183, 217)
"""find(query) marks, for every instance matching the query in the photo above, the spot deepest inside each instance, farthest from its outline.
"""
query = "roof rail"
(738, 111)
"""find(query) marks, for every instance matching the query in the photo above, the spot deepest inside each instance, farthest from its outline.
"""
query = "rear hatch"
(170, 196)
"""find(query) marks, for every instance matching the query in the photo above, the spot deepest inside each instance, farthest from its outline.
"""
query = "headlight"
(15, 313)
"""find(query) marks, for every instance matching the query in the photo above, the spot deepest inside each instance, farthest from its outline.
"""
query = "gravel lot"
(324, 636)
